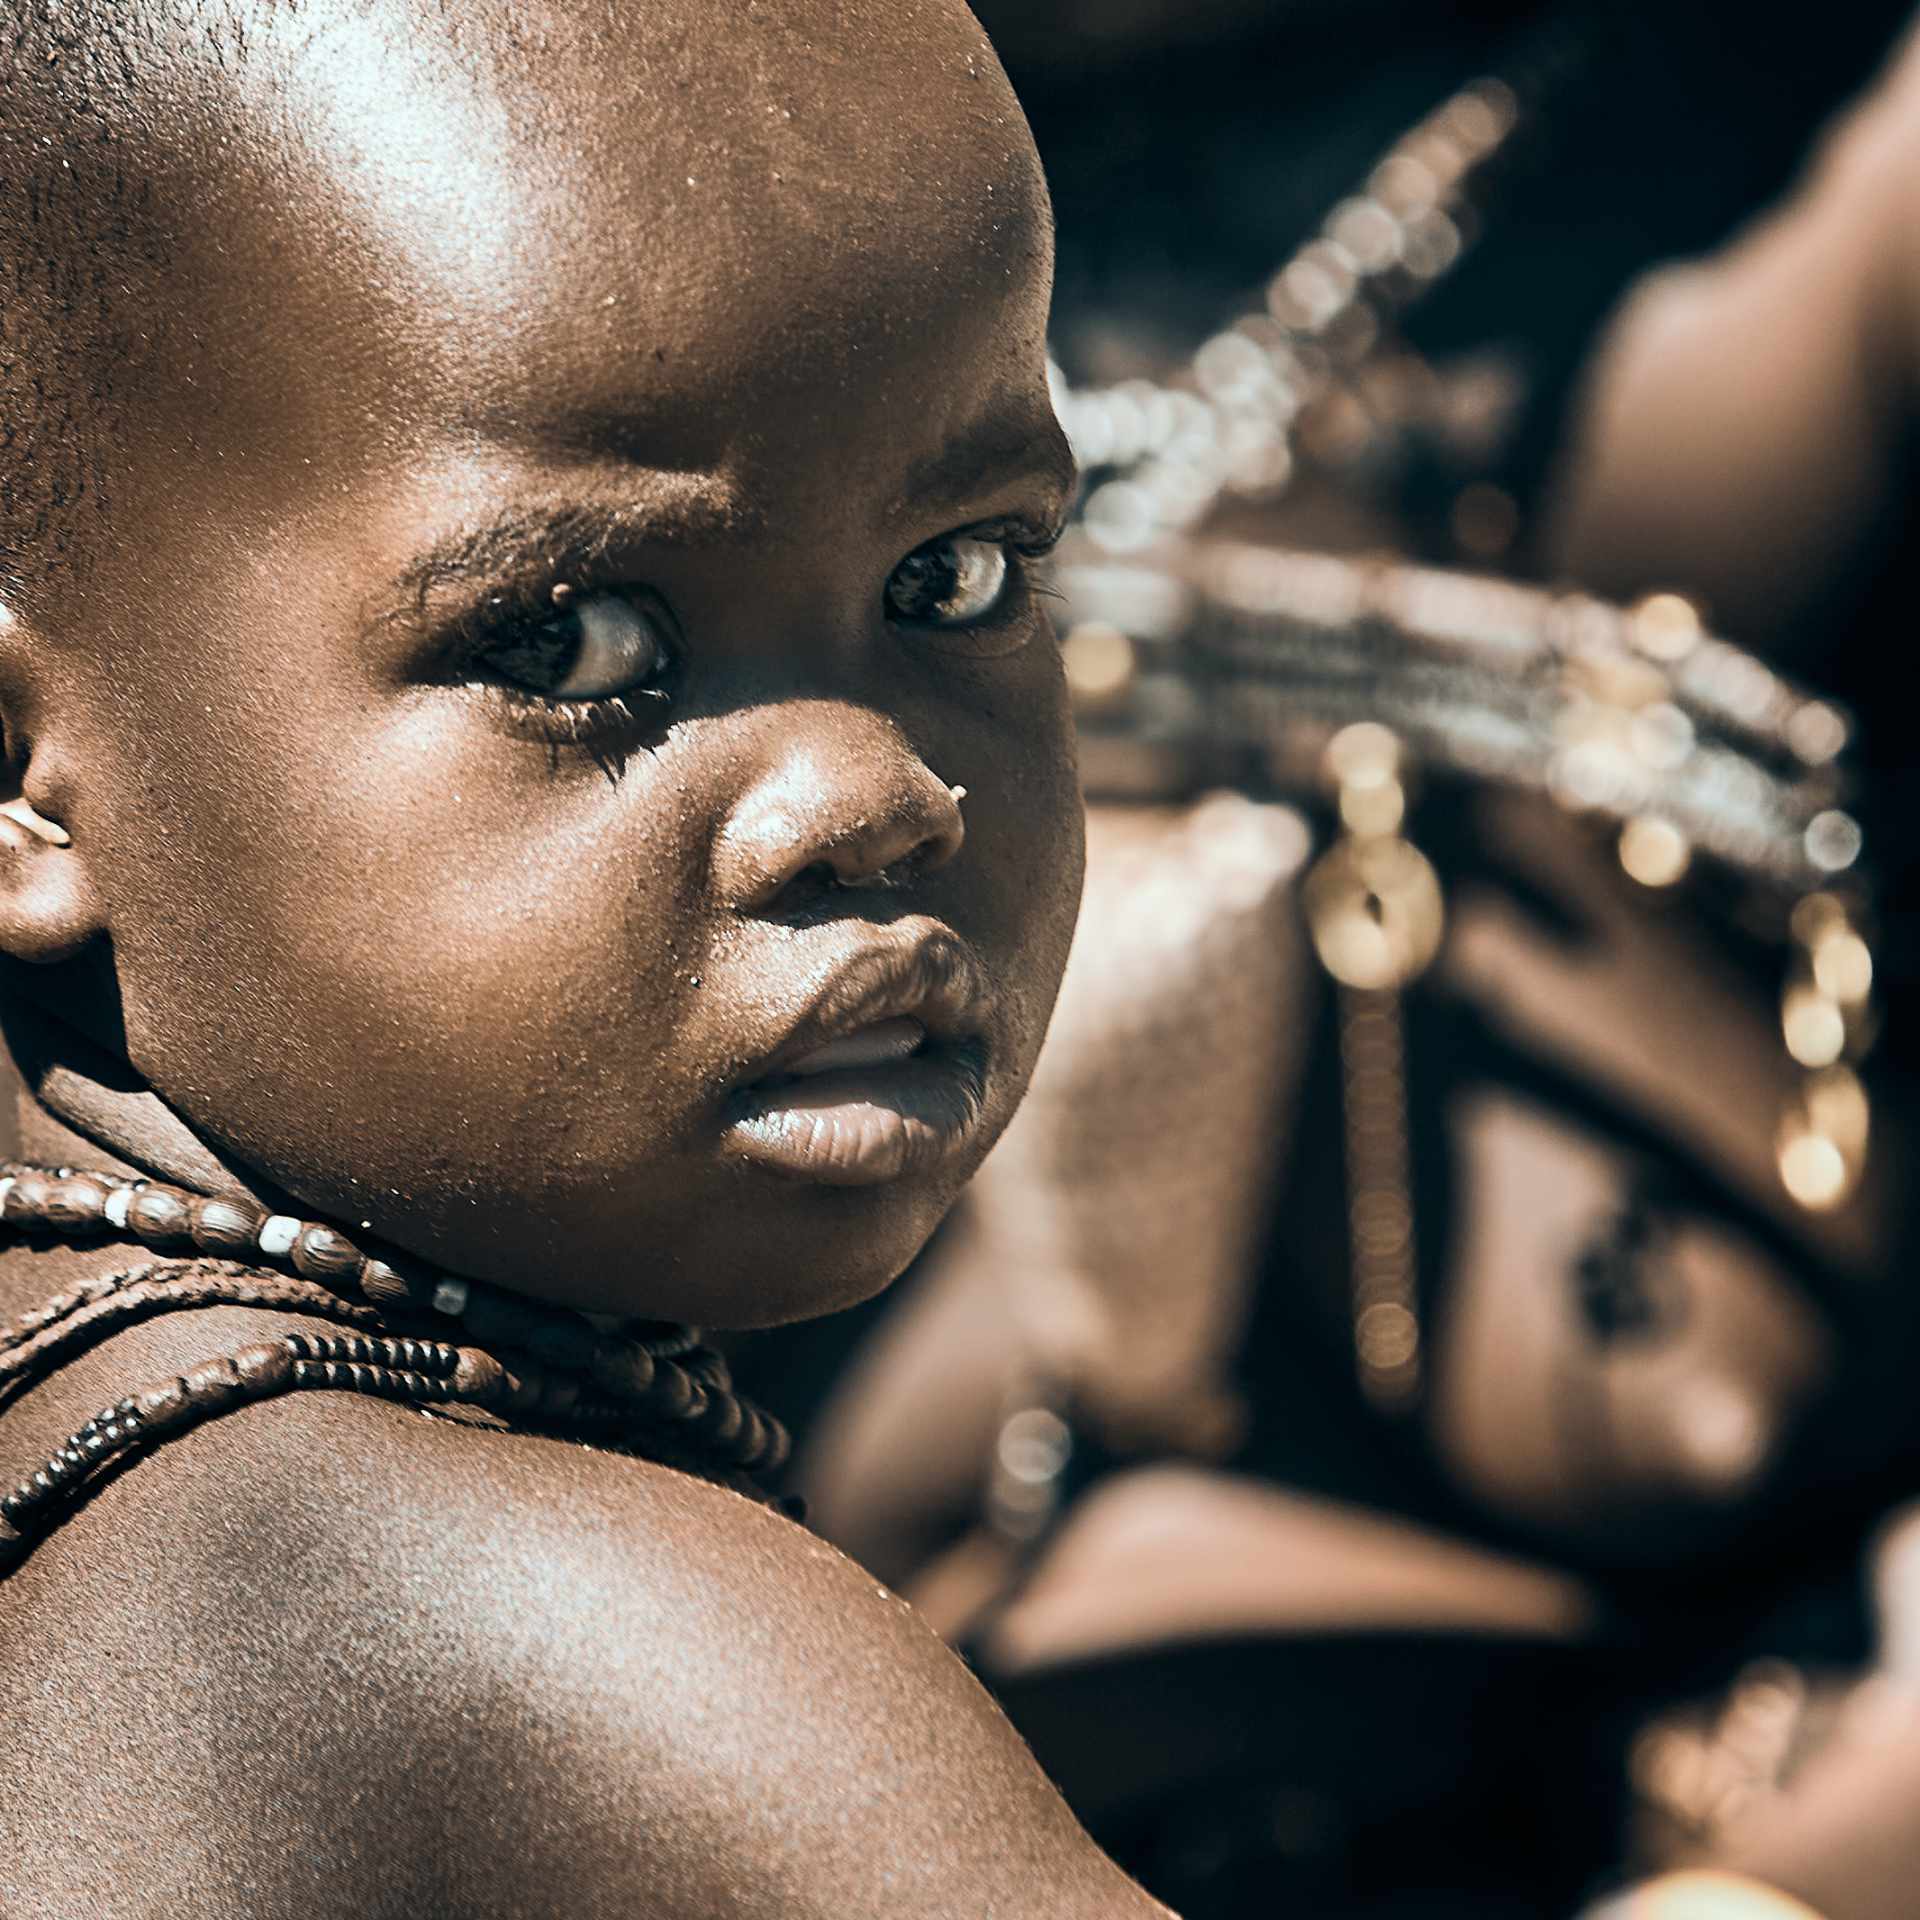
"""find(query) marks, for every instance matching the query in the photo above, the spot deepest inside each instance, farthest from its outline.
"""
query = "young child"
(528, 738)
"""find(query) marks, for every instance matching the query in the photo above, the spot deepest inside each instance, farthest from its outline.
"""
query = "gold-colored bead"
(1814, 1026)
(1100, 663)
(1815, 916)
(1365, 753)
(1618, 680)
(1813, 1169)
(1387, 1337)
(1654, 851)
(1832, 840)
(1382, 1224)
(1372, 808)
(1837, 1107)
(1843, 966)
(1817, 732)
(1375, 912)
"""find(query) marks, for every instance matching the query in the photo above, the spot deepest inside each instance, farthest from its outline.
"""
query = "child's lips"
(882, 1044)
(862, 1125)
(883, 1075)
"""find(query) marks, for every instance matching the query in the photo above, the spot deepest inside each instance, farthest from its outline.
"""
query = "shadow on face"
(569, 544)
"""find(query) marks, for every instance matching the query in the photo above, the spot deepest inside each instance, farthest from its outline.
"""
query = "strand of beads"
(418, 1372)
(1164, 457)
(564, 1369)
(53, 1332)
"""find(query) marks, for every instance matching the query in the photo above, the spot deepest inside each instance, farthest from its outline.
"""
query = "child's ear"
(47, 907)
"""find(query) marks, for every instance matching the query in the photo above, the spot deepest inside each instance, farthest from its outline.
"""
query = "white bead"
(7, 1186)
(278, 1233)
(119, 1203)
(450, 1297)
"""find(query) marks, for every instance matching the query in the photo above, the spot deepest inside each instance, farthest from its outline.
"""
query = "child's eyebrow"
(990, 454)
(575, 535)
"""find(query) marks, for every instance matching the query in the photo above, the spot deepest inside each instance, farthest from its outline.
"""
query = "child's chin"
(817, 1251)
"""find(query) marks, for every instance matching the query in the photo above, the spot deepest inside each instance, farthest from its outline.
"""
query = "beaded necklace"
(644, 1387)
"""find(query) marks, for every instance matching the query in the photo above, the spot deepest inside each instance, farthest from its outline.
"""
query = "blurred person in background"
(1604, 1597)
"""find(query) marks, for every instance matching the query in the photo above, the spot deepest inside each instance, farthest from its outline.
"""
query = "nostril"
(888, 879)
(808, 884)
(813, 825)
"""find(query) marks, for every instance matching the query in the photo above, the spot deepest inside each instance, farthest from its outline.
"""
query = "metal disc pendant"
(1375, 912)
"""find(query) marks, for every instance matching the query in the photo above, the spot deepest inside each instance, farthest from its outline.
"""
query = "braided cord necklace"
(644, 1387)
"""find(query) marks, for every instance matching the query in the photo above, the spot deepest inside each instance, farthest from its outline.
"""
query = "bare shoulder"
(382, 1664)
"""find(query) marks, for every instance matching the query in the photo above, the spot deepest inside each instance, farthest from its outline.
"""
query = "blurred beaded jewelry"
(646, 1385)
(1292, 670)
(1289, 671)
(1164, 456)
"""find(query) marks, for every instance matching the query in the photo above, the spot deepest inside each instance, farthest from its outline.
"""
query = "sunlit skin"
(721, 313)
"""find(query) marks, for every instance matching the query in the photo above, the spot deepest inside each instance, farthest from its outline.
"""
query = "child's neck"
(87, 1107)
(81, 1108)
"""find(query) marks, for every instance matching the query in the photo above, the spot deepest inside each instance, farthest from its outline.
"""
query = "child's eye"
(950, 582)
(588, 646)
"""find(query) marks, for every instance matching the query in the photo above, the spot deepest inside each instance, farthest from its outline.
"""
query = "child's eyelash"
(608, 725)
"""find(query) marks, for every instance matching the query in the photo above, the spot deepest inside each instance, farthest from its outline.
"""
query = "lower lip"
(865, 1126)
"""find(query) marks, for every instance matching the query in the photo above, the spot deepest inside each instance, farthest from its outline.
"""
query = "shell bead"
(213, 1386)
(26, 1198)
(383, 1284)
(478, 1377)
(75, 1205)
(266, 1367)
(165, 1407)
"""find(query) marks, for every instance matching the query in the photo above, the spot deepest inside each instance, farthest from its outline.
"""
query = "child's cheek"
(428, 912)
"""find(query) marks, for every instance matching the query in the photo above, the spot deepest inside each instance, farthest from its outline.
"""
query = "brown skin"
(346, 932)
(479, 991)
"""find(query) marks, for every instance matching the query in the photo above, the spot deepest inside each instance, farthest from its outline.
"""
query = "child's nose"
(853, 812)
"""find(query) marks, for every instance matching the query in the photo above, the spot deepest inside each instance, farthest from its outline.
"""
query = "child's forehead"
(838, 102)
(431, 219)
(780, 244)
(732, 185)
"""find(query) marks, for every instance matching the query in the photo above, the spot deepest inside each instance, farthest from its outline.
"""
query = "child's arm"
(391, 1666)
(1747, 416)
(755, 1728)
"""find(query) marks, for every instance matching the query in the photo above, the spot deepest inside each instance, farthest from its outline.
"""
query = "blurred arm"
(1745, 416)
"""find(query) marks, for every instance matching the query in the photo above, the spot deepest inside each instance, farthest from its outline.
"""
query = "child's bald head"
(202, 204)
(511, 557)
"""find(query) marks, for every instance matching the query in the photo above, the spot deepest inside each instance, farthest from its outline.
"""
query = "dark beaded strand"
(646, 1377)
(43, 1339)
(415, 1371)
